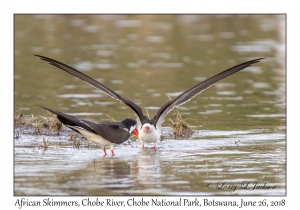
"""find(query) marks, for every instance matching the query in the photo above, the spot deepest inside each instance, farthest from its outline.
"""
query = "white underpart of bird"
(149, 134)
(94, 138)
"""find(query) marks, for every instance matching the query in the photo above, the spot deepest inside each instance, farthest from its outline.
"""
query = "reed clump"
(52, 123)
(19, 119)
(38, 122)
(181, 128)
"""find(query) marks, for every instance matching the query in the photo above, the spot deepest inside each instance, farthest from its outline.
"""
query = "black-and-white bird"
(103, 133)
(150, 129)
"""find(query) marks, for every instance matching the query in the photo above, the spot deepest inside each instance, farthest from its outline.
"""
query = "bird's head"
(148, 128)
(132, 127)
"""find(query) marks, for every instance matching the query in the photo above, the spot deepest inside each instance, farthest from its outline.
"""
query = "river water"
(239, 143)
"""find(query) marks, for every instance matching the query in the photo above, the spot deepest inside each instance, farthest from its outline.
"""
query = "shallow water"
(230, 163)
(239, 122)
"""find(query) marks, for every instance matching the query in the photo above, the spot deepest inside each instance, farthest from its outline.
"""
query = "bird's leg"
(154, 147)
(104, 150)
(112, 152)
(143, 145)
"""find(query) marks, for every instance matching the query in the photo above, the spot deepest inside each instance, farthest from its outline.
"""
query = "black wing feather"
(115, 132)
(69, 120)
(192, 92)
(94, 83)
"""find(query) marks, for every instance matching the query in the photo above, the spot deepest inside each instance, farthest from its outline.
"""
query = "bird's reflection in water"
(146, 166)
(143, 166)
(112, 167)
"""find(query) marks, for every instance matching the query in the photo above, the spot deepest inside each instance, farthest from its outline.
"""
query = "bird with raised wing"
(150, 129)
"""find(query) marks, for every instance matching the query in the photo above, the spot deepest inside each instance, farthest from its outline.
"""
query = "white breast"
(94, 137)
(150, 136)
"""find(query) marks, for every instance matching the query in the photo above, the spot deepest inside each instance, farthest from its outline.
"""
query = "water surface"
(239, 122)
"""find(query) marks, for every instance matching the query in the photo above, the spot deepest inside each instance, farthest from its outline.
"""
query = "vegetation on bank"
(181, 128)
(38, 123)
(50, 125)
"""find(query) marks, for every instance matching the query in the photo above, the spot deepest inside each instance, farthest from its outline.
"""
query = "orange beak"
(136, 133)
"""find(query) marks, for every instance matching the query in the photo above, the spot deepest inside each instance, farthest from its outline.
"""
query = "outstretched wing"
(94, 83)
(192, 92)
